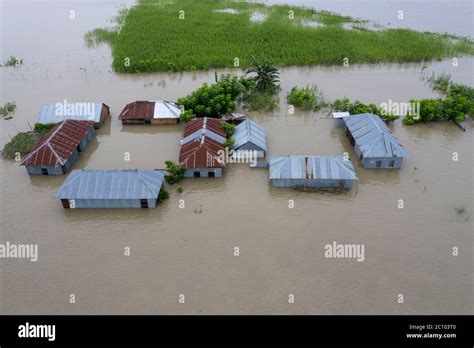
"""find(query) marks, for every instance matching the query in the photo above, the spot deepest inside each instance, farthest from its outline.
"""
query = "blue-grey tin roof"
(249, 131)
(373, 137)
(203, 132)
(311, 167)
(80, 111)
(112, 184)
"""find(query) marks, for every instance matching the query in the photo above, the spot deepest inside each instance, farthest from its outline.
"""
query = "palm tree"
(265, 75)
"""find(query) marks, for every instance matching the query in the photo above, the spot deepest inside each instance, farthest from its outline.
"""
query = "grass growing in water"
(13, 61)
(171, 35)
(7, 109)
(307, 98)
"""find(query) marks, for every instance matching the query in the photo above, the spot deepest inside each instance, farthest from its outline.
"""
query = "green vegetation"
(307, 98)
(179, 190)
(7, 109)
(259, 101)
(229, 143)
(261, 86)
(43, 127)
(184, 35)
(228, 128)
(458, 102)
(460, 211)
(264, 75)
(163, 195)
(186, 115)
(23, 142)
(359, 108)
(13, 61)
(213, 100)
(175, 172)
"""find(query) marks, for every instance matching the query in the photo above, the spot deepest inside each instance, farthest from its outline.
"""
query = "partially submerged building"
(338, 118)
(202, 148)
(210, 127)
(137, 188)
(58, 149)
(250, 136)
(374, 144)
(313, 172)
(150, 112)
(78, 111)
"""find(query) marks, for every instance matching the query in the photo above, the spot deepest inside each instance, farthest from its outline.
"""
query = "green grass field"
(152, 37)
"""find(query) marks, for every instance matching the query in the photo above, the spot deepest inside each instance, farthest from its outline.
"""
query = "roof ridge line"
(72, 180)
(46, 142)
(145, 182)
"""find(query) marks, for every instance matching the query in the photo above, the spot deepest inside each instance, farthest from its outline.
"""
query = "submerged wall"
(314, 183)
(203, 172)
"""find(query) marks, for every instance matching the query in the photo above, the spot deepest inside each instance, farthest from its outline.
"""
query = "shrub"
(21, 143)
(175, 172)
(228, 128)
(260, 101)
(358, 107)
(7, 109)
(43, 127)
(229, 143)
(163, 195)
(14, 61)
(307, 98)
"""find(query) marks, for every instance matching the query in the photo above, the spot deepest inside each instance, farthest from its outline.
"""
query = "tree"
(265, 75)
(213, 100)
(175, 172)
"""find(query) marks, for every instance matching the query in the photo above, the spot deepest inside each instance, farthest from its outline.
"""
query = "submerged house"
(150, 112)
(58, 149)
(338, 118)
(202, 148)
(315, 172)
(137, 188)
(79, 111)
(250, 136)
(373, 142)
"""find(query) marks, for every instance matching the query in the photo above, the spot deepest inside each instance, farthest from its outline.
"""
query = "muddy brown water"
(183, 251)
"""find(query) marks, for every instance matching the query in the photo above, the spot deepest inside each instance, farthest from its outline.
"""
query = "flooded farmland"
(191, 251)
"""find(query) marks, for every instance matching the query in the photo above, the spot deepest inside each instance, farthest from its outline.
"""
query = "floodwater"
(190, 251)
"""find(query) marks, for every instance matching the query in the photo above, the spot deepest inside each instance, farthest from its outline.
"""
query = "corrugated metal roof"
(79, 111)
(203, 132)
(211, 124)
(112, 184)
(201, 153)
(150, 109)
(249, 131)
(340, 114)
(138, 110)
(373, 137)
(55, 147)
(166, 109)
(311, 167)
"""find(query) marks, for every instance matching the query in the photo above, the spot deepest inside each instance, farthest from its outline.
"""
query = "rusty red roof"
(55, 147)
(212, 124)
(138, 110)
(201, 153)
